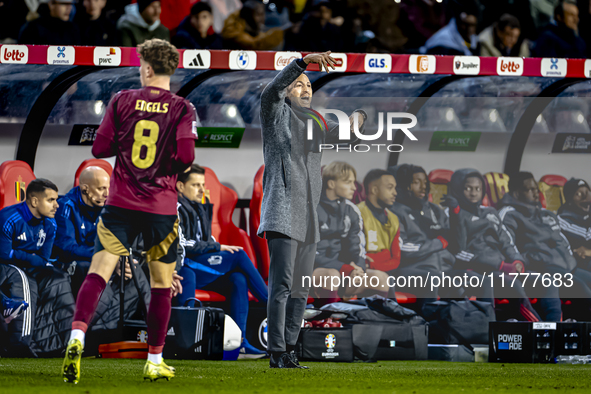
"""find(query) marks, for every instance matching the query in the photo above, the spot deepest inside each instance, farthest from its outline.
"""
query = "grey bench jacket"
(292, 183)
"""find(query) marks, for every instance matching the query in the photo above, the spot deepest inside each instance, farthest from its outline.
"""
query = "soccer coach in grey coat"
(292, 185)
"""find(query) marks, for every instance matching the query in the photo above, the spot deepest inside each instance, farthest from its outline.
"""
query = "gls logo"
(106, 56)
(378, 63)
(345, 131)
(12, 54)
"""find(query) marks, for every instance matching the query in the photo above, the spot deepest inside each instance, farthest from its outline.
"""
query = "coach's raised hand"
(322, 59)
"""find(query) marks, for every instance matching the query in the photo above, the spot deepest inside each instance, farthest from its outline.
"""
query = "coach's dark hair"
(161, 55)
(516, 180)
(38, 186)
(195, 169)
(559, 9)
(508, 20)
(371, 176)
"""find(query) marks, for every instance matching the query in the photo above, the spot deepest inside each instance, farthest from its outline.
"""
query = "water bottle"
(573, 359)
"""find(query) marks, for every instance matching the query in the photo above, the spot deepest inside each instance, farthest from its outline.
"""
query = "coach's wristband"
(302, 63)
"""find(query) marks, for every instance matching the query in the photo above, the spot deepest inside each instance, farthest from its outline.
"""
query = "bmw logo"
(263, 333)
(242, 60)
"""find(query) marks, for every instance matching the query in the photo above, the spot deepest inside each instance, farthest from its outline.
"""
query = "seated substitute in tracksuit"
(381, 228)
(424, 229)
(341, 250)
(27, 232)
(481, 242)
(76, 218)
(538, 236)
(207, 264)
(574, 217)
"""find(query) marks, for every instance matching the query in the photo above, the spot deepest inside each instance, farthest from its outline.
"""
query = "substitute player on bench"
(151, 132)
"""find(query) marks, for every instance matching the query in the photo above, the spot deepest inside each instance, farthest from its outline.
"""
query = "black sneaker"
(295, 360)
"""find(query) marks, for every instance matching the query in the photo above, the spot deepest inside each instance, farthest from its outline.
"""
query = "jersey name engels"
(141, 105)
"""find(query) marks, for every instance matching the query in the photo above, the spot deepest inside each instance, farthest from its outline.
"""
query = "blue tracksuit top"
(76, 228)
(25, 241)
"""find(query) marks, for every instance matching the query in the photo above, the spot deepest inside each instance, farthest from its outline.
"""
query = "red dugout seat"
(551, 189)
(439, 179)
(223, 229)
(105, 165)
(15, 175)
(259, 244)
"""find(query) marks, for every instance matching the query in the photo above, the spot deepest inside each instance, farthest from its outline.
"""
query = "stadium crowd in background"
(545, 28)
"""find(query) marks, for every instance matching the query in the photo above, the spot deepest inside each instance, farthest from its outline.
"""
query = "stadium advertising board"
(219, 137)
(572, 143)
(457, 141)
(421, 64)
(83, 134)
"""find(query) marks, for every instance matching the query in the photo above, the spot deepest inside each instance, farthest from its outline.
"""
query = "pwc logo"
(378, 63)
(282, 59)
(421, 64)
(510, 66)
(107, 56)
(14, 54)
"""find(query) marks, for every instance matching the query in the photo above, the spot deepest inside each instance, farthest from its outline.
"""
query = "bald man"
(292, 185)
(77, 217)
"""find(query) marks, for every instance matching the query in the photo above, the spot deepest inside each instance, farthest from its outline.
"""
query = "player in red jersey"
(151, 132)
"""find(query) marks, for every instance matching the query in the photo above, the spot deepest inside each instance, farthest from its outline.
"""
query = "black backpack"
(459, 322)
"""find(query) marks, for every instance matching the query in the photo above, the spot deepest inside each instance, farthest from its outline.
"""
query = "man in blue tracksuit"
(207, 264)
(27, 232)
(76, 218)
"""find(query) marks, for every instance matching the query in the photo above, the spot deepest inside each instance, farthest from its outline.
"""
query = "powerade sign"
(455, 141)
(219, 137)
(510, 342)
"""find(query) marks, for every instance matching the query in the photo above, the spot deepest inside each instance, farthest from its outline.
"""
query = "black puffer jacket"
(55, 311)
(342, 240)
(480, 240)
(537, 234)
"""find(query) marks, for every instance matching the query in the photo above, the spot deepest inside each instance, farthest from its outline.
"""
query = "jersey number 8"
(141, 140)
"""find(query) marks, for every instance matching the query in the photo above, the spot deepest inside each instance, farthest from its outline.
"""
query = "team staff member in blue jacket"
(27, 232)
(76, 218)
(28, 229)
(209, 265)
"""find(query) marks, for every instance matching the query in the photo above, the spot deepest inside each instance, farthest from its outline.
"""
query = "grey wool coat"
(292, 183)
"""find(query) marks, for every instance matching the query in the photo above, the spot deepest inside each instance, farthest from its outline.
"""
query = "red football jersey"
(143, 127)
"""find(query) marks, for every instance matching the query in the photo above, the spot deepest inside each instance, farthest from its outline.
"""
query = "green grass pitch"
(24, 376)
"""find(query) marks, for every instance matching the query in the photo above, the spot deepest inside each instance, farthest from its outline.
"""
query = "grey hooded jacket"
(292, 183)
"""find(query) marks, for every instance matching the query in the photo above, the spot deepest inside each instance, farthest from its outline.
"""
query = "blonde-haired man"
(341, 250)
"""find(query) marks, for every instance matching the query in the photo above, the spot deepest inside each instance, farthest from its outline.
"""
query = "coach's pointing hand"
(322, 59)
